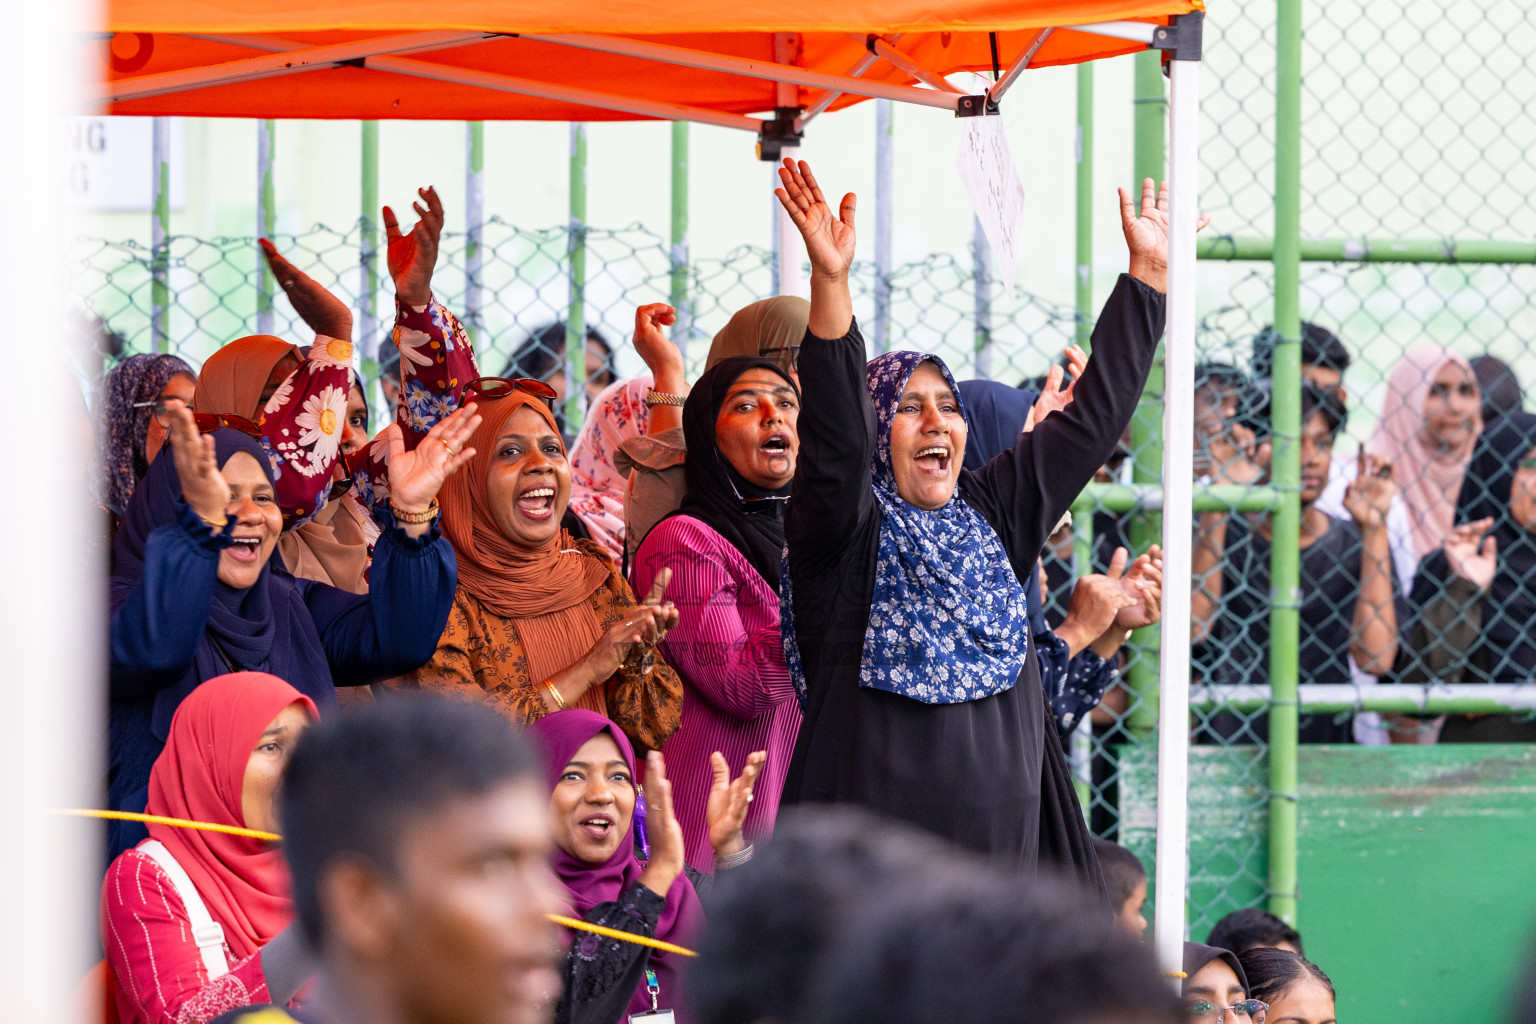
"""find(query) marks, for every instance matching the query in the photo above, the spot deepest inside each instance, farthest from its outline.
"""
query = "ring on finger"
(452, 451)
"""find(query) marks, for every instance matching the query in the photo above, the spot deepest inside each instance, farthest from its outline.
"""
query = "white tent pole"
(52, 628)
(248, 69)
(885, 179)
(1178, 479)
(786, 49)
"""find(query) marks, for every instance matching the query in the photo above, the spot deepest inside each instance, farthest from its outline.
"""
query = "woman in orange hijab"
(541, 621)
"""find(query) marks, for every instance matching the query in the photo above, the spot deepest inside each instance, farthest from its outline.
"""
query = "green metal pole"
(1373, 250)
(474, 226)
(1150, 157)
(575, 319)
(678, 295)
(1085, 204)
(1285, 473)
(266, 220)
(368, 269)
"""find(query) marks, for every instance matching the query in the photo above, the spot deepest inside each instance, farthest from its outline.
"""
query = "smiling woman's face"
(529, 482)
(590, 809)
(927, 439)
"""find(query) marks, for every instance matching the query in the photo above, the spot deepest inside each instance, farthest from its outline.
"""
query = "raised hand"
(829, 237)
(197, 464)
(415, 476)
(1467, 559)
(412, 256)
(1054, 397)
(323, 312)
(726, 810)
(1370, 493)
(1147, 235)
(651, 343)
(662, 829)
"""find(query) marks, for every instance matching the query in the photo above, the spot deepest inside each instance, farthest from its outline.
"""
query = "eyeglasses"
(501, 387)
(1249, 1010)
(793, 350)
(207, 422)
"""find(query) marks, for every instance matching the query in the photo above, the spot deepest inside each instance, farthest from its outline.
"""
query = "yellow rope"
(155, 819)
(234, 830)
(614, 933)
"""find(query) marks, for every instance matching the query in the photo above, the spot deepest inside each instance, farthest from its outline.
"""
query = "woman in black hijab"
(723, 547)
(1474, 599)
(1216, 988)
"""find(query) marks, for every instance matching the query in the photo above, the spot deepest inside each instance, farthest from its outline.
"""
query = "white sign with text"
(111, 163)
(997, 195)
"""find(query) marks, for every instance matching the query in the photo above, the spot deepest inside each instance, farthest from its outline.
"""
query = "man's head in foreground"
(417, 839)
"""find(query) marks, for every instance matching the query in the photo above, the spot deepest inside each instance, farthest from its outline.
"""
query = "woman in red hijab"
(194, 922)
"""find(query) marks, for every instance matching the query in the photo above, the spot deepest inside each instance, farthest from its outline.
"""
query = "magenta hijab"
(560, 735)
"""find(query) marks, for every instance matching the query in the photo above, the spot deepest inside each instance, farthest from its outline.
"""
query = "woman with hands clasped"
(592, 814)
(904, 600)
(722, 549)
(542, 621)
(194, 595)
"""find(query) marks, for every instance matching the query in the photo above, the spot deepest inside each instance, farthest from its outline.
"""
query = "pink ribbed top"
(737, 697)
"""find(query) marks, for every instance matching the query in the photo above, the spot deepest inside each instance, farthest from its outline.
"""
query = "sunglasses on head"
(207, 422)
(491, 388)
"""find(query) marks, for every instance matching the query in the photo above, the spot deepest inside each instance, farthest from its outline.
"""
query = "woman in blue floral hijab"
(905, 616)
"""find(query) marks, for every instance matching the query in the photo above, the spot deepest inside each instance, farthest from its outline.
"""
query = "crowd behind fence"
(1413, 241)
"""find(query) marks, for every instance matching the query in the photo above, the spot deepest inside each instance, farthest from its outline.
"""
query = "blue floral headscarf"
(948, 620)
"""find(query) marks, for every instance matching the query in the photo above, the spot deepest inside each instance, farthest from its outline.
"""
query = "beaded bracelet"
(414, 518)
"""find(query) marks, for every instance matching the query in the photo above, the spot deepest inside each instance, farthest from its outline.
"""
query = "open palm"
(412, 255)
(1146, 234)
(829, 235)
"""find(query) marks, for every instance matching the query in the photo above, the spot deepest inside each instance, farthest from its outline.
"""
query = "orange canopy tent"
(718, 63)
(698, 60)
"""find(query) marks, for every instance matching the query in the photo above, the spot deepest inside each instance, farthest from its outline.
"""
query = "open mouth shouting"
(934, 460)
(245, 550)
(599, 825)
(537, 502)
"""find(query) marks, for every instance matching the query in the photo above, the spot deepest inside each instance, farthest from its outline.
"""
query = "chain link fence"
(1418, 125)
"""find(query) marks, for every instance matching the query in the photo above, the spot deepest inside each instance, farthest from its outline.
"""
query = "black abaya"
(979, 773)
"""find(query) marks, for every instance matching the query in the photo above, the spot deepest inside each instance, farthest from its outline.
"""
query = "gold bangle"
(654, 397)
(414, 518)
(216, 525)
(559, 700)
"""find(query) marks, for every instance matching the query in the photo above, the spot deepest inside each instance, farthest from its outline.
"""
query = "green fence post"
(160, 235)
(1285, 473)
(575, 318)
(368, 247)
(678, 296)
(474, 225)
(1147, 425)
(266, 221)
(1084, 204)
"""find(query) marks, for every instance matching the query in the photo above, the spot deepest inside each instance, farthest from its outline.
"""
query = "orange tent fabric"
(155, 36)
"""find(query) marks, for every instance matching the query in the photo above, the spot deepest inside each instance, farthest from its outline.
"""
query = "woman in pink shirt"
(195, 923)
(723, 547)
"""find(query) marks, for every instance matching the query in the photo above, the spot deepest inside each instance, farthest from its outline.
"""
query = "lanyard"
(652, 987)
